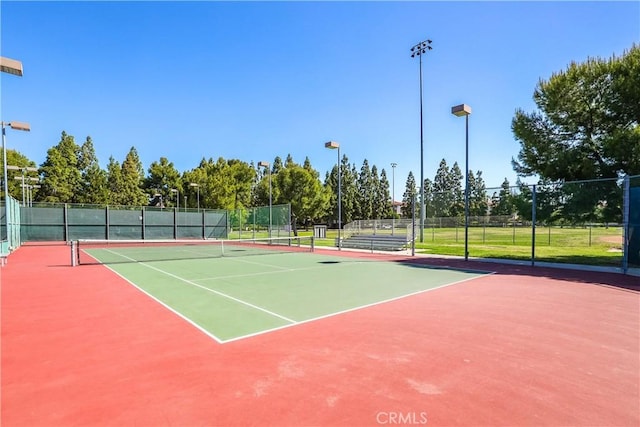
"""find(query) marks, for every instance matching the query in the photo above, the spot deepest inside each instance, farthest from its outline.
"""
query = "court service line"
(288, 270)
(257, 263)
(337, 313)
(222, 294)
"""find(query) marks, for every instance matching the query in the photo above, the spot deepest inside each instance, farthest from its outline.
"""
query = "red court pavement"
(82, 347)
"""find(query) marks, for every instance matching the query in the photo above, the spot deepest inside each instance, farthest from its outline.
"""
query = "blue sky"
(255, 80)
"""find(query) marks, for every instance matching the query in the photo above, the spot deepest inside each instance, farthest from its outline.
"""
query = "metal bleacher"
(380, 242)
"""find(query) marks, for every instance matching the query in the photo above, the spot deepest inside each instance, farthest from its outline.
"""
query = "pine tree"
(383, 199)
(93, 187)
(503, 203)
(115, 183)
(428, 198)
(365, 193)
(456, 189)
(409, 197)
(162, 177)
(478, 200)
(60, 174)
(132, 179)
(277, 165)
(443, 197)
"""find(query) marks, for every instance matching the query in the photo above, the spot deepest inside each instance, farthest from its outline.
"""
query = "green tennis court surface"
(233, 297)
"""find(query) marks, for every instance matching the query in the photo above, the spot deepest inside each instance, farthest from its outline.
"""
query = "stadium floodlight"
(10, 66)
(16, 126)
(460, 111)
(332, 145)
(267, 166)
(419, 50)
(195, 184)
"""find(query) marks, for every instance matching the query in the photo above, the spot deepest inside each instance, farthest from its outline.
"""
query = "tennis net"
(91, 251)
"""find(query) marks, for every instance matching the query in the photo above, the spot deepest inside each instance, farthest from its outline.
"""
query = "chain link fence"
(263, 221)
(591, 222)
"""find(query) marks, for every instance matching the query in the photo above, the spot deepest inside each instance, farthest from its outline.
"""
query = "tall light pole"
(332, 145)
(10, 66)
(267, 166)
(393, 197)
(194, 184)
(419, 50)
(393, 186)
(31, 187)
(15, 126)
(465, 110)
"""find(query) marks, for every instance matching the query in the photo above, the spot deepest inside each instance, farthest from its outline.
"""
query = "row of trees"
(71, 174)
(585, 127)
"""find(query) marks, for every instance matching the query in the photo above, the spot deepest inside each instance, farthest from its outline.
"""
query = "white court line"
(233, 276)
(248, 304)
(337, 313)
(168, 307)
(292, 322)
(256, 263)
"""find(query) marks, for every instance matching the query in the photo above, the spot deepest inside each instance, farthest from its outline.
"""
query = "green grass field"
(590, 246)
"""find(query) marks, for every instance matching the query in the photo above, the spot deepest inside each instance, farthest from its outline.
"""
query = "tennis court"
(288, 337)
(234, 289)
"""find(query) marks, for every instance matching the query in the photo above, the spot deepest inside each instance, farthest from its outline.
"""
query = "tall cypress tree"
(365, 193)
(132, 176)
(408, 197)
(93, 188)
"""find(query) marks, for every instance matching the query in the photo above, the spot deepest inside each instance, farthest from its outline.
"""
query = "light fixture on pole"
(10, 66)
(23, 177)
(15, 126)
(194, 184)
(459, 111)
(419, 50)
(332, 145)
(173, 190)
(267, 166)
(30, 193)
(157, 196)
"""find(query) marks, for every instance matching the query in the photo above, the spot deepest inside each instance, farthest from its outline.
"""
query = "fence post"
(204, 225)
(175, 223)
(533, 226)
(626, 208)
(106, 222)
(143, 220)
(73, 254)
(66, 223)
(413, 226)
